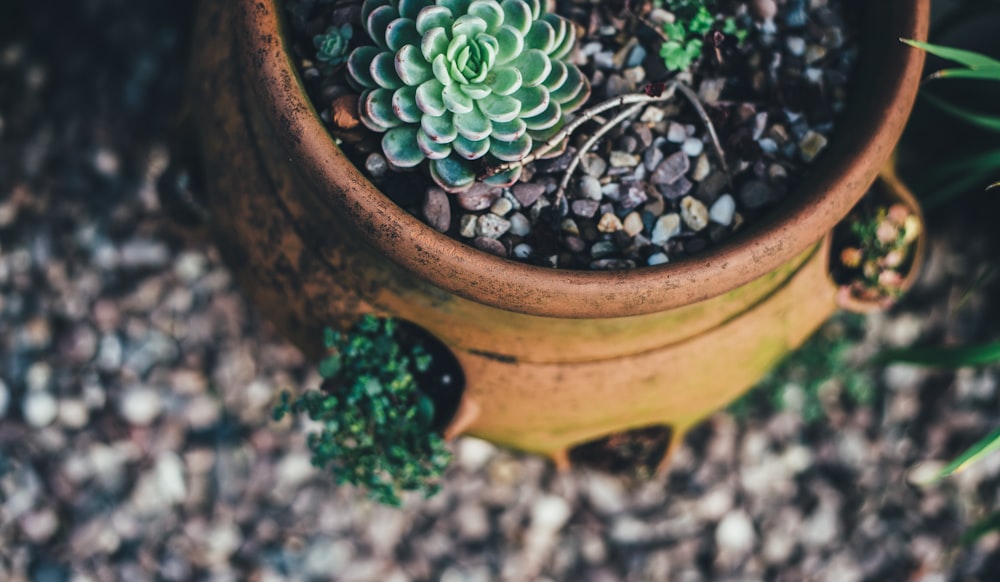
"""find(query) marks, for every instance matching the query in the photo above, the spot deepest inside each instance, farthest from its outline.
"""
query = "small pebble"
(73, 413)
(764, 10)
(811, 144)
(619, 159)
(677, 190)
(491, 226)
(467, 226)
(602, 249)
(631, 195)
(490, 245)
(437, 209)
(570, 227)
(519, 224)
(671, 169)
(4, 398)
(676, 133)
(657, 259)
(694, 213)
(501, 207)
(652, 115)
(756, 193)
(590, 188)
(796, 45)
(632, 225)
(693, 147)
(39, 408)
(702, 168)
(527, 193)
(594, 166)
(722, 210)
(609, 223)
(376, 165)
(585, 208)
(667, 227)
(478, 197)
(652, 157)
(140, 405)
(522, 251)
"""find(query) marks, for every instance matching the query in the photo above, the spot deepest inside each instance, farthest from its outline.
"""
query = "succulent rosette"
(465, 83)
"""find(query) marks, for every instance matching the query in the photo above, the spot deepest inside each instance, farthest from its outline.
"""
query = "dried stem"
(696, 103)
(614, 122)
(584, 117)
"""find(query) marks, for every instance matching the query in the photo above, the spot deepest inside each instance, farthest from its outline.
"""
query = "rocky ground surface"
(136, 380)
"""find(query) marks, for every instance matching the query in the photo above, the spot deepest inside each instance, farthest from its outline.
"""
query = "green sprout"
(331, 46)
(684, 44)
(377, 427)
(465, 84)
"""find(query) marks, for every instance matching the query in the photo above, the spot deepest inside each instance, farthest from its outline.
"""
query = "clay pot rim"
(844, 173)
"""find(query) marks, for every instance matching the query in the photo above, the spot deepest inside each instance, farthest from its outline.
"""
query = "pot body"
(304, 235)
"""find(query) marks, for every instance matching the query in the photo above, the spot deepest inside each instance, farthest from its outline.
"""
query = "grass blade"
(968, 58)
(981, 528)
(947, 181)
(938, 357)
(984, 121)
(972, 454)
(984, 74)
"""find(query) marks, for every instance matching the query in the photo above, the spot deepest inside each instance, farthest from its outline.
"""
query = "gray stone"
(479, 196)
(667, 227)
(621, 159)
(491, 226)
(693, 147)
(490, 245)
(467, 226)
(527, 193)
(376, 165)
(652, 157)
(140, 405)
(756, 193)
(585, 208)
(671, 169)
(811, 144)
(602, 249)
(523, 251)
(631, 195)
(39, 408)
(519, 224)
(590, 188)
(657, 259)
(677, 190)
(501, 207)
(437, 209)
(676, 133)
(723, 209)
(735, 534)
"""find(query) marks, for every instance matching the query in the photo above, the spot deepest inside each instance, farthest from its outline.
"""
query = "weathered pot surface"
(551, 358)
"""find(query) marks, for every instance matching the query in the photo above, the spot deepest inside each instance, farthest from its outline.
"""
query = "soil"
(653, 190)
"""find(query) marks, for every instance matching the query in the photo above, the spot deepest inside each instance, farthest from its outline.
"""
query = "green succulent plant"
(685, 40)
(331, 46)
(465, 83)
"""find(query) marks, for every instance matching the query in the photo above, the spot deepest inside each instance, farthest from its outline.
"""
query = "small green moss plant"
(377, 427)
(331, 46)
(685, 35)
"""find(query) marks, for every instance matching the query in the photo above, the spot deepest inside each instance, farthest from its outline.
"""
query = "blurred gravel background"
(135, 386)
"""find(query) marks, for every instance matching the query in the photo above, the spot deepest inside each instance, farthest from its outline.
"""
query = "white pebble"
(657, 259)
(694, 213)
(632, 224)
(473, 453)
(723, 210)
(140, 405)
(467, 226)
(693, 147)
(501, 207)
(676, 133)
(549, 513)
(39, 408)
(522, 251)
(519, 224)
(796, 45)
(73, 413)
(621, 159)
(667, 227)
(735, 534)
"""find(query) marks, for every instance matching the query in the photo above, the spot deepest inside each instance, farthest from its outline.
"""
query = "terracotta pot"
(551, 358)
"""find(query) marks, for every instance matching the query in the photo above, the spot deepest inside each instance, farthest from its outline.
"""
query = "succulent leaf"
(452, 81)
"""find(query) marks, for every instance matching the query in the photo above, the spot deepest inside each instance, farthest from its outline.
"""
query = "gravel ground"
(135, 383)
